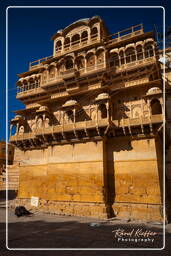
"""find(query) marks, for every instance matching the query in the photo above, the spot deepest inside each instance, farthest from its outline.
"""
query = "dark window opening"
(103, 110)
(156, 107)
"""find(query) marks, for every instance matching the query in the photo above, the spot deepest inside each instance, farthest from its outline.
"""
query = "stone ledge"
(97, 210)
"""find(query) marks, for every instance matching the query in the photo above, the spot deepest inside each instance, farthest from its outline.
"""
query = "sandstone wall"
(114, 177)
(137, 183)
(64, 173)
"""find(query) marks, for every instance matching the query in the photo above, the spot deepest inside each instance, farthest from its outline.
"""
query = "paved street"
(53, 231)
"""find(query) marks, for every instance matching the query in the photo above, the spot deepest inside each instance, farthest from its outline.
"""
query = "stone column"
(17, 128)
(74, 112)
(107, 107)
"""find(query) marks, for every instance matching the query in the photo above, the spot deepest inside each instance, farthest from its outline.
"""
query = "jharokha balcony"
(59, 133)
(52, 76)
(84, 90)
(77, 57)
(85, 39)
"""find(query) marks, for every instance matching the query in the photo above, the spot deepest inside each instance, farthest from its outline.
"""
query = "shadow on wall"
(12, 194)
(112, 146)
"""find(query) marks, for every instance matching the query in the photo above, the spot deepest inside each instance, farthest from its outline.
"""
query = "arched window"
(44, 75)
(80, 63)
(130, 55)
(51, 72)
(75, 39)
(94, 33)
(40, 122)
(139, 52)
(84, 36)
(58, 46)
(67, 43)
(47, 122)
(103, 111)
(156, 107)
(114, 59)
(69, 63)
(60, 67)
(148, 48)
(21, 129)
(70, 116)
(100, 56)
(31, 83)
(122, 59)
(90, 59)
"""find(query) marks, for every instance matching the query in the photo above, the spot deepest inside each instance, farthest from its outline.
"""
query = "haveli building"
(89, 140)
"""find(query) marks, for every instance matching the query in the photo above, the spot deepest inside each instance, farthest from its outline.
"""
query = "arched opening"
(21, 129)
(44, 75)
(66, 43)
(100, 56)
(51, 72)
(47, 122)
(156, 107)
(70, 116)
(13, 129)
(122, 59)
(130, 55)
(75, 39)
(84, 36)
(103, 111)
(139, 52)
(148, 48)
(58, 46)
(31, 84)
(80, 62)
(36, 82)
(69, 63)
(40, 122)
(94, 33)
(25, 85)
(114, 59)
(90, 59)
(60, 67)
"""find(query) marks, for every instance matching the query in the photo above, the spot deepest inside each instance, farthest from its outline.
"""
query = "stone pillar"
(74, 112)
(143, 51)
(17, 128)
(107, 107)
(97, 113)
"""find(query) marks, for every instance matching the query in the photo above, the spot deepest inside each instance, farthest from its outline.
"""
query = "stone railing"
(141, 120)
(119, 66)
(88, 125)
(126, 34)
(67, 48)
(29, 92)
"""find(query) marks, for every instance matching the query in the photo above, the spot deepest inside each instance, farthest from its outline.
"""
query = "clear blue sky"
(30, 31)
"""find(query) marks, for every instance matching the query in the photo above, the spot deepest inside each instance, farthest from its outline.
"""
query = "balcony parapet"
(89, 124)
(141, 120)
(29, 92)
(70, 76)
(67, 49)
(126, 34)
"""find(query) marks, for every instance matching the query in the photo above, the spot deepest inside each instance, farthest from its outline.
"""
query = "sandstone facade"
(89, 141)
